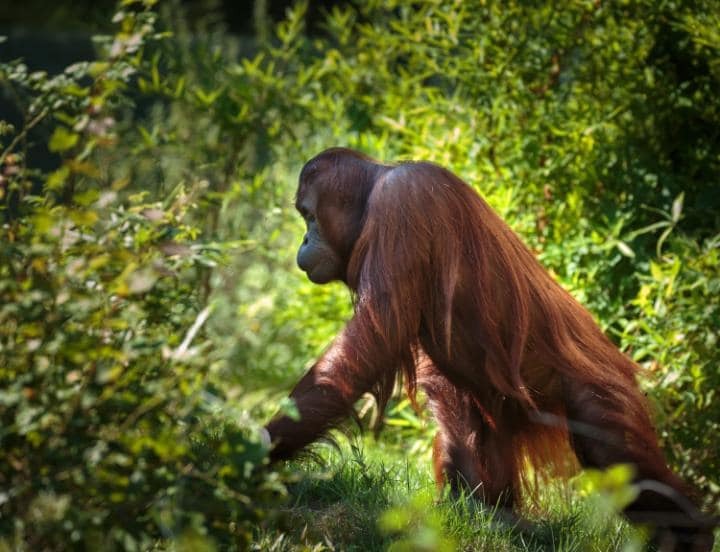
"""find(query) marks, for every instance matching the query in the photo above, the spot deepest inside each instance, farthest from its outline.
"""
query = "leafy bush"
(675, 337)
(113, 433)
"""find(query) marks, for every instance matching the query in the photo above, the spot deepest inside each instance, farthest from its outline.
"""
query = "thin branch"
(199, 321)
(23, 133)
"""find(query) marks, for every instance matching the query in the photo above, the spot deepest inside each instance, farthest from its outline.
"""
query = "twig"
(22, 134)
(199, 321)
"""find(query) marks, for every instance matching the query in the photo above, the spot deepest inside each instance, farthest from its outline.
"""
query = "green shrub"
(113, 432)
(675, 337)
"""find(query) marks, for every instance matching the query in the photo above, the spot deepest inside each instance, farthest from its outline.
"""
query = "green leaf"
(56, 179)
(75, 90)
(289, 408)
(625, 249)
(87, 197)
(656, 272)
(62, 140)
(207, 98)
(98, 67)
(84, 217)
(677, 207)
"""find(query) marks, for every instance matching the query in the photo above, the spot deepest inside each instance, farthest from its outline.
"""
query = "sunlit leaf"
(677, 207)
(625, 249)
(62, 140)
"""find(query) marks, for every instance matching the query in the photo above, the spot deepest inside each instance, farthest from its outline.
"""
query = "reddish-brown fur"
(447, 295)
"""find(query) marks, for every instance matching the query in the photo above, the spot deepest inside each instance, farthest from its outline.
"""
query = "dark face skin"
(316, 257)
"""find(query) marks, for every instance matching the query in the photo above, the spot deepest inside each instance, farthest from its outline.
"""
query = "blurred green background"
(152, 318)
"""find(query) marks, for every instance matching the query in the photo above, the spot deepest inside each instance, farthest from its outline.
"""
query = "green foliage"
(113, 432)
(675, 337)
(149, 304)
(613, 487)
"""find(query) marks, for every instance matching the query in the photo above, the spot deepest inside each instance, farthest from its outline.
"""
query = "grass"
(370, 495)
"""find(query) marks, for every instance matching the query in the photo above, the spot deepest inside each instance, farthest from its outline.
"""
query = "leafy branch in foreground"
(113, 434)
